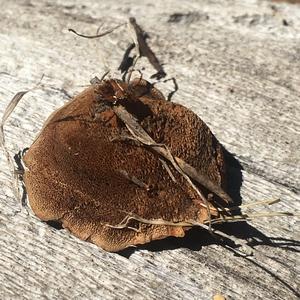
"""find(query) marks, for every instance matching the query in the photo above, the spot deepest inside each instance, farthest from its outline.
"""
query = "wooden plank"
(237, 66)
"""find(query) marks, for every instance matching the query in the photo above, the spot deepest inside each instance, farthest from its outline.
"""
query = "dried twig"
(9, 109)
(245, 217)
(165, 165)
(255, 203)
(145, 50)
(134, 179)
(97, 80)
(98, 35)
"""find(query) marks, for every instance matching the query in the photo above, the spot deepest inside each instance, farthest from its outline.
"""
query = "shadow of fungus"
(196, 238)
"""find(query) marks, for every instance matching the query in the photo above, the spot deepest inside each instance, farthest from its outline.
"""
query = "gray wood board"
(237, 66)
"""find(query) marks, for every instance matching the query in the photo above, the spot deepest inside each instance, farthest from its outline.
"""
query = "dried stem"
(165, 165)
(8, 111)
(139, 38)
(245, 217)
(256, 203)
(135, 180)
(98, 35)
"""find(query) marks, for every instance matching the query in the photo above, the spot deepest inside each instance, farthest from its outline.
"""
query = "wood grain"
(237, 66)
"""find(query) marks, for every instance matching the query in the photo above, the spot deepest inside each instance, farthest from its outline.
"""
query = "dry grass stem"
(8, 111)
(252, 204)
(98, 35)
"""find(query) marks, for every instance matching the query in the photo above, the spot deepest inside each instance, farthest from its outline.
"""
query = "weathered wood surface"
(237, 65)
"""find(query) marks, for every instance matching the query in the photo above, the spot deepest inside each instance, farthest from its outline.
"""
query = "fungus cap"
(85, 172)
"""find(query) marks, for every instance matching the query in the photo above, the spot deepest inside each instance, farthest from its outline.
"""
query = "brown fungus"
(94, 172)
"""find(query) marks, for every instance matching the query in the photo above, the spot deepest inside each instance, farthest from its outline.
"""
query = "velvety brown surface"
(81, 170)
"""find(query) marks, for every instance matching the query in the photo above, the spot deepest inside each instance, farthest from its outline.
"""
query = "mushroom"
(88, 170)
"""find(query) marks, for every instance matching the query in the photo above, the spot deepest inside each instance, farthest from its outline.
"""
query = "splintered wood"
(121, 166)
